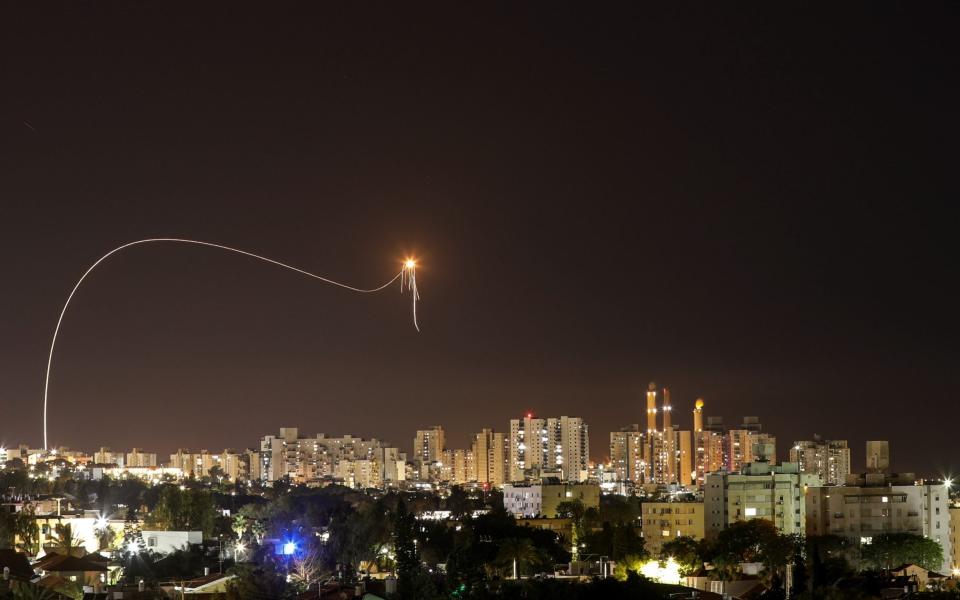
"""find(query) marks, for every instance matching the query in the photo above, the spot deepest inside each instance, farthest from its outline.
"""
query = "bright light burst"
(407, 277)
(668, 572)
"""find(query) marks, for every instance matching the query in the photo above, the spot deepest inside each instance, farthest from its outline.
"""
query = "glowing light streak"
(409, 280)
(407, 276)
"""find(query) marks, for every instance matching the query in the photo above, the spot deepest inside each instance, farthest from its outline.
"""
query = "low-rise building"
(542, 499)
(165, 542)
(665, 521)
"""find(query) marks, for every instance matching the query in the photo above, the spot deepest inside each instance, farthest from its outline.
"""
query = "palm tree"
(64, 541)
(105, 538)
(31, 591)
(518, 552)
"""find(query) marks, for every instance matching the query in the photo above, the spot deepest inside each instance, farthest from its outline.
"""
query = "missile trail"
(407, 276)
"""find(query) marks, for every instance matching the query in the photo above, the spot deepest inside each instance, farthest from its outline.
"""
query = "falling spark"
(409, 281)
(407, 277)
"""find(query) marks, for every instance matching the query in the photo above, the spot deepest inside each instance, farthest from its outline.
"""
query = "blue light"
(289, 548)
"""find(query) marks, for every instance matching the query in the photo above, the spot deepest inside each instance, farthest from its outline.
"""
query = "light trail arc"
(407, 277)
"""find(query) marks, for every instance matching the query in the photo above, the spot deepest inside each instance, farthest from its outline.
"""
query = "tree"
(614, 542)
(889, 550)
(458, 503)
(685, 551)
(306, 569)
(23, 590)
(777, 552)
(617, 509)
(183, 510)
(132, 541)
(6, 530)
(571, 509)
(801, 579)
(517, 551)
(256, 582)
(26, 529)
(628, 565)
(405, 547)
(744, 541)
(64, 542)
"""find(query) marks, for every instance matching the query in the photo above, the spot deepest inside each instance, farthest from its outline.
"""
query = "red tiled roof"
(63, 563)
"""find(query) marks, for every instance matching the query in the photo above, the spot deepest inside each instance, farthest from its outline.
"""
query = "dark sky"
(749, 206)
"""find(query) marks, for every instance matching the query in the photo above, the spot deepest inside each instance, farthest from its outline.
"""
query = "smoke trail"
(406, 275)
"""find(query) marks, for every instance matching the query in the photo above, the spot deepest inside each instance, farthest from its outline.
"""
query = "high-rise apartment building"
(571, 447)
(871, 504)
(626, 454)
(553, 446)
(106, 456)
(491, 456)
(429, 444)
(761, 490)
(230, 464)
(139, 458)
(528, 445)
(829, 459)
(458, 466)
(304, 459)
(711, 444)
(742, 442)
(663, 454)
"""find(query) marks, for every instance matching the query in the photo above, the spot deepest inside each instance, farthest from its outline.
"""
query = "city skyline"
(783, 450)
(599, 448)
(719, 201)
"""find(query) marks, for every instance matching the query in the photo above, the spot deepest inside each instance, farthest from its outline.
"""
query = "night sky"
(747, 205)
